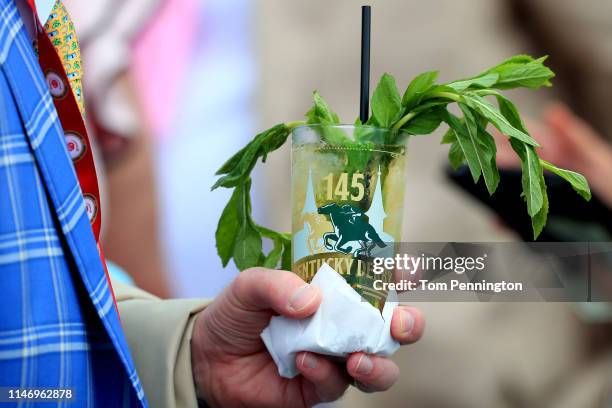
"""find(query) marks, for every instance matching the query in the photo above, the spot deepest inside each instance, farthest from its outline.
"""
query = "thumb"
(236, 318)
(260, 289)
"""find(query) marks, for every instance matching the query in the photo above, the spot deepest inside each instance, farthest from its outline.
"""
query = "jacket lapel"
(46, 138)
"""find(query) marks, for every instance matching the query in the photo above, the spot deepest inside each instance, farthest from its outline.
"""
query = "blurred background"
(174, 87)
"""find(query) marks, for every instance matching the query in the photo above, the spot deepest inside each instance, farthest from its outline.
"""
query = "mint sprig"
(420, 111)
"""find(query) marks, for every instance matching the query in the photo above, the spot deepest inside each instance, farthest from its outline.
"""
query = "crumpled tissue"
(343, 324)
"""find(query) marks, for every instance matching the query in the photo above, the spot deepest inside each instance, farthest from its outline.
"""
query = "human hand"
(232, 367)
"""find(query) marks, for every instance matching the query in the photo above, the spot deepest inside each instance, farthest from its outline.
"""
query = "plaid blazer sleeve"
(59, 327)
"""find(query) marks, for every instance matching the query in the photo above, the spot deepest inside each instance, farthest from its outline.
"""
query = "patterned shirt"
(60, 29)
(58, 325)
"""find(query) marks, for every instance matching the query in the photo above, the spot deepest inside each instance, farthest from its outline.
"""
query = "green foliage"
(320, 113)
(486, 109)
(521, 71)
(578, 182)
(426, 122)
(238, 168)
(417, 88)
(420, 111)
(386, 103)
(530, 178)
(484, 81)
(238, 236)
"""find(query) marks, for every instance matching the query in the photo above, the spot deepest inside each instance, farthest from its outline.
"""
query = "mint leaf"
(538, 221)
(273, 141)
(438, 91)
(509, 111)
(466, 144)
(386, 103)
(430, 105)
(247, 247)
(274, 256)
(532, 188)
(424, 123)
(240, 165)
(247, 250)
(232, 162)
(286, 258)
(320, 113)
(455, 155)
(449, 137)
(577, 181)
(489, 170)
(522, 72)
(417, 88)
(517, 60)
(484, 81)
(228, 226)
(530, 177)
(488, 111)
(280, 242)
(236, 236)
(477, 150)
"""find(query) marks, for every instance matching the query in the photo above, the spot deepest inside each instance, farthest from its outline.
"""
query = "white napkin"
(343, 324)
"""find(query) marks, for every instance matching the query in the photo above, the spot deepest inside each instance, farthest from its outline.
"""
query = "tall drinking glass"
(348, 185)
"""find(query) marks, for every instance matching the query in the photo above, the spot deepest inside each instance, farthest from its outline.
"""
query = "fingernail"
(364, 365)
(308, 360)
(406, 322)
(302, 297)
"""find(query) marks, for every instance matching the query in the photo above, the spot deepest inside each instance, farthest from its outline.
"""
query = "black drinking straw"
(364, 97)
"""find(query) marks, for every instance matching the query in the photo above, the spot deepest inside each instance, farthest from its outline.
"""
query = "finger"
(407, 324)
(329, 381)
(373, 373)
(558, 116)
(569, 126)
(561, 122)
(259, 289)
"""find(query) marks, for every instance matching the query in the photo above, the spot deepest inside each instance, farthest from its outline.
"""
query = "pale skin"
(232, 368)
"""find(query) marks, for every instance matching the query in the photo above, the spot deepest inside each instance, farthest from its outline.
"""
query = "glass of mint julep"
(348, 185)
(342, 163)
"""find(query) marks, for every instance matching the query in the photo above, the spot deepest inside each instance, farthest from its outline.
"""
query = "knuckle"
(242, 286)
(253, 286)
(254, 272)
(247, 278)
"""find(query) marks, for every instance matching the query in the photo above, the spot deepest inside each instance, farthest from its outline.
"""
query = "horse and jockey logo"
(352, 233)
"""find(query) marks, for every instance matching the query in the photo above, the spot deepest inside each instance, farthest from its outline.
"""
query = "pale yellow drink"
(348, 186)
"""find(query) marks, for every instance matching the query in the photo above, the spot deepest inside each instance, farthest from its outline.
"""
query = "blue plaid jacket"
(58, 325)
